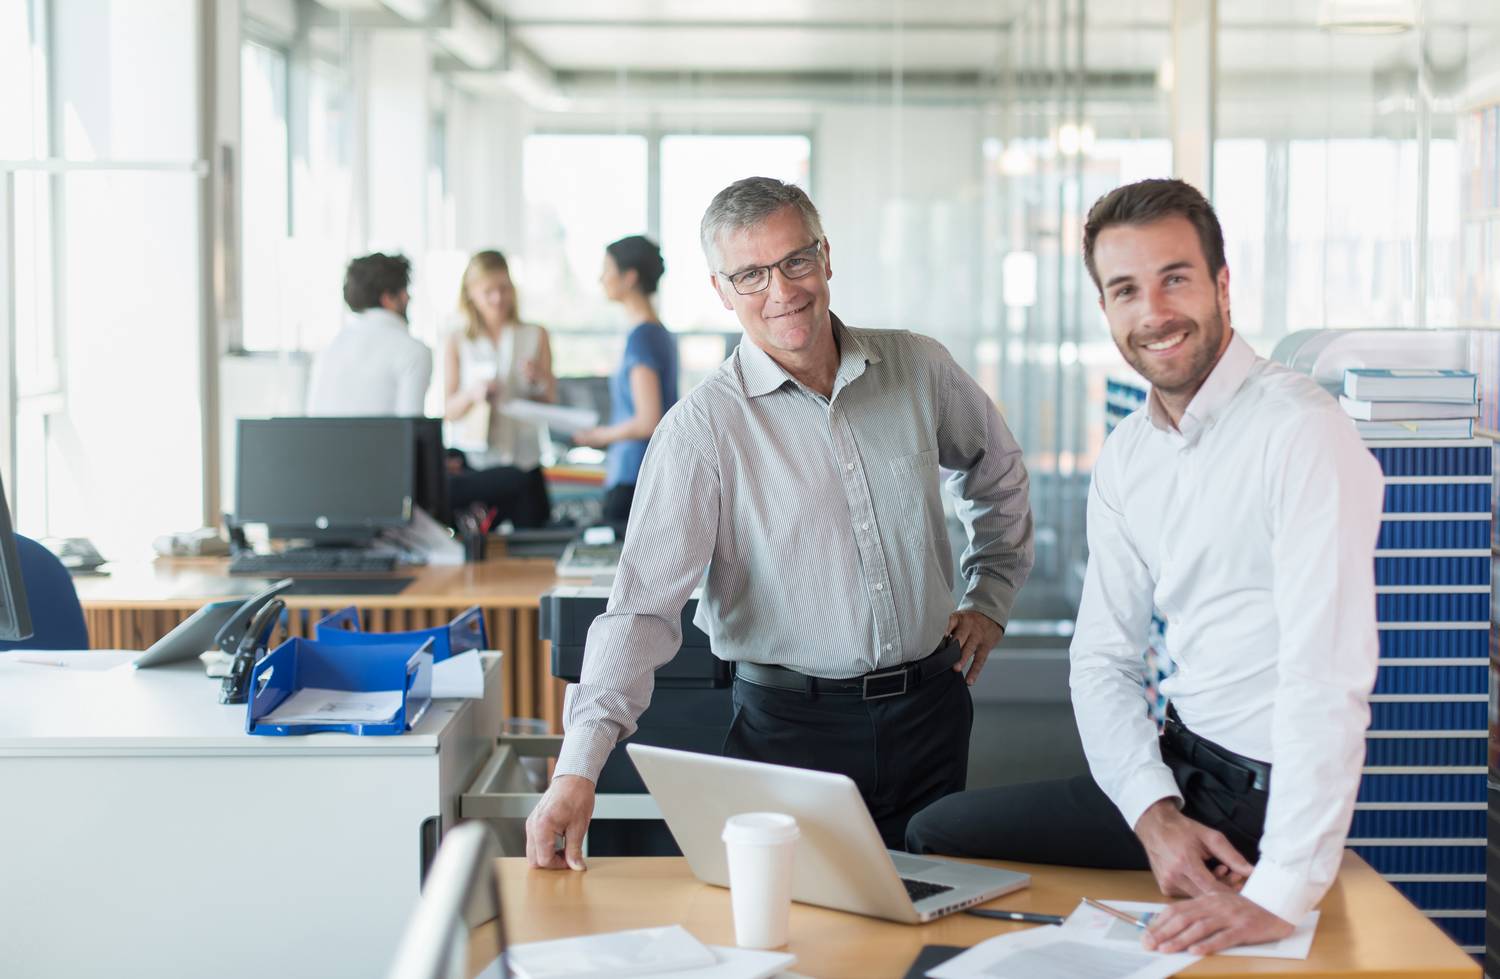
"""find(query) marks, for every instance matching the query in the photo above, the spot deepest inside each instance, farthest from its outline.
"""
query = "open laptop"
(841, 861)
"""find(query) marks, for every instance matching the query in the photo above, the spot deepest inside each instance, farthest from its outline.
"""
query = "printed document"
(1059, 953)
(312, 705)
(1111, 929)
(558, 418)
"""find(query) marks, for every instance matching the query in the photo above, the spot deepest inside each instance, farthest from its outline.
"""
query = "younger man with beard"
(1240, 506)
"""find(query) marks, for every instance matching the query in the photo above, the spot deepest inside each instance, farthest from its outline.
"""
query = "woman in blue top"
(645, 386)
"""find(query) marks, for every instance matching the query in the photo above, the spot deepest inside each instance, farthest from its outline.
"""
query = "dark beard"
(1204, 359)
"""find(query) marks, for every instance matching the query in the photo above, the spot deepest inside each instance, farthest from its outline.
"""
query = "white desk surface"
(169, 710)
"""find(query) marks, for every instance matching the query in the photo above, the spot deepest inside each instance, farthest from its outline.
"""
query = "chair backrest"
(56, 616)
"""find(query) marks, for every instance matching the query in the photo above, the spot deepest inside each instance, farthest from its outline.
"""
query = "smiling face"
(1165, 311)
(790, 316)
(493, 295)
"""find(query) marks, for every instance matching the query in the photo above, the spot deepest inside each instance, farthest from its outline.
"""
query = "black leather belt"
(1233, 769)
(875, 685)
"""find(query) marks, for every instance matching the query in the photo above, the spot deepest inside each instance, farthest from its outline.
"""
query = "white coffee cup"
(759, 846)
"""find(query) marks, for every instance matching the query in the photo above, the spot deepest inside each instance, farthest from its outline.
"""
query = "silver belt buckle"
(865, 690)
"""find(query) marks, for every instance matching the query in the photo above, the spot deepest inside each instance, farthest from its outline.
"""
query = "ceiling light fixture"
(1367, 16)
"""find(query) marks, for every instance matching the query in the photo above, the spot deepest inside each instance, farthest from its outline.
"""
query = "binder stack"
(1419, 817)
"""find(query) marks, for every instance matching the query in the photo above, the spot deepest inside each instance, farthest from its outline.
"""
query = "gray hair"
(748, 202)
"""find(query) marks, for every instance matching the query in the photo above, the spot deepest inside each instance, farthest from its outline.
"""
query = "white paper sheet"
(1294, 946)
(1058, 953)
(312, 705)
(560, 419)
(731, 963)
(459, 676)
(640, 952)
(87, 661)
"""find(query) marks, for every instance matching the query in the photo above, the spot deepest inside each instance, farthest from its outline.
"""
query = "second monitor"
(338, 481)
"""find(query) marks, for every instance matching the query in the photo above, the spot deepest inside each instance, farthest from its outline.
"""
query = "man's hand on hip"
(976, 634)
(1213, 922)
(564, 810)
(1181, 848)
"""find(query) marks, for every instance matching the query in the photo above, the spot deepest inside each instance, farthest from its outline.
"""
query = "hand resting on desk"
(1213, 922)
(564, 810)
(1215, 916)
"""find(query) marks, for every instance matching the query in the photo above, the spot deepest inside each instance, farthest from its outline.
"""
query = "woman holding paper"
(645, 385)
(492, 358)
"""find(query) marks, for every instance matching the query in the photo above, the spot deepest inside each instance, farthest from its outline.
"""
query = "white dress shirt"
(1250, 527)
(374, 366)
(820, 520)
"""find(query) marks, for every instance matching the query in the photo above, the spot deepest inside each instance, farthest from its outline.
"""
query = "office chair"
(56, 616)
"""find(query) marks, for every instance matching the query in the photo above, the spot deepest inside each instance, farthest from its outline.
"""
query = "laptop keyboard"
(920, 889)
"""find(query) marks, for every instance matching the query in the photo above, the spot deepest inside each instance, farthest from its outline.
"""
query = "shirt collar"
(380, 316)
(762, 375)
(1218, 389)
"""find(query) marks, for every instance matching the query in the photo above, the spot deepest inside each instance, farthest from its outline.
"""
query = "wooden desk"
(1367, 928)
(137, 604)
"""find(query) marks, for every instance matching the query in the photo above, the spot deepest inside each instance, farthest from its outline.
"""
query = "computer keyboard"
(919, 889)
(582, 560)
(316, 561)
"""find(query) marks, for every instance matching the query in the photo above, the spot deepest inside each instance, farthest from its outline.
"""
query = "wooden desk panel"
(1367, 929)
(137, 604)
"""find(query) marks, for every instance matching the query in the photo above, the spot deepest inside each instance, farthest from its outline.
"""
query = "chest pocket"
(917, 500)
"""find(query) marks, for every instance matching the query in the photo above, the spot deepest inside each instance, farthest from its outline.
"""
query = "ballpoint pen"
(1139, 922)
(1027, 916)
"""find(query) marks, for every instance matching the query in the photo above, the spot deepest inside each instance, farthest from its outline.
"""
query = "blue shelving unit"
(1420, 815)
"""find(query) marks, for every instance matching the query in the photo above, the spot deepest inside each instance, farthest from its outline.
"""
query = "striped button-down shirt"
(820, 521)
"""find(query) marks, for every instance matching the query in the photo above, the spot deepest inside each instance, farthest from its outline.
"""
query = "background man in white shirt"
(1241, 507)
(374, 366)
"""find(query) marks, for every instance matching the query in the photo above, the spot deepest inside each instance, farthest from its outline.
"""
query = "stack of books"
(1411, 404)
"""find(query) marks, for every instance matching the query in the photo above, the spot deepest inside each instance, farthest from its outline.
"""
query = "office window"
(581, 193)
(693, 169)
(265, 198)
(107, 267)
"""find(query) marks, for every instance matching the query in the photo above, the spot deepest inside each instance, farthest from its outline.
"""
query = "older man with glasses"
(804, 475)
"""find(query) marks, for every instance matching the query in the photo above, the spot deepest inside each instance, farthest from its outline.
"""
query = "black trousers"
(518, 495)
(1071, 822)
(902, 752)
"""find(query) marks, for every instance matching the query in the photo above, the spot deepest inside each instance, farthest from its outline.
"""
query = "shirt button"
(879, 586)
(887, 647)
(849, 466)
(864, 526)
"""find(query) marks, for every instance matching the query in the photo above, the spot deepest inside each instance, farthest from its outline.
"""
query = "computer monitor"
(15, 614)
(327, 480)
(431, 468)
(459, 894)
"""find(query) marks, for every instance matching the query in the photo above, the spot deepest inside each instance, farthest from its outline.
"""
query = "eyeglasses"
(796, 265)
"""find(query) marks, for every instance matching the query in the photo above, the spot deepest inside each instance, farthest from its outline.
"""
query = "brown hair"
(369, 278)
(483, 263)
(1151, 200)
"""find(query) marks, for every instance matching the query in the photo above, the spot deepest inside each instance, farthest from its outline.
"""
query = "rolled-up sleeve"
(673, 522)
(990, 484)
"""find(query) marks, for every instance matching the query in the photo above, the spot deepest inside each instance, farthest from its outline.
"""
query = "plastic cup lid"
(760, 827)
